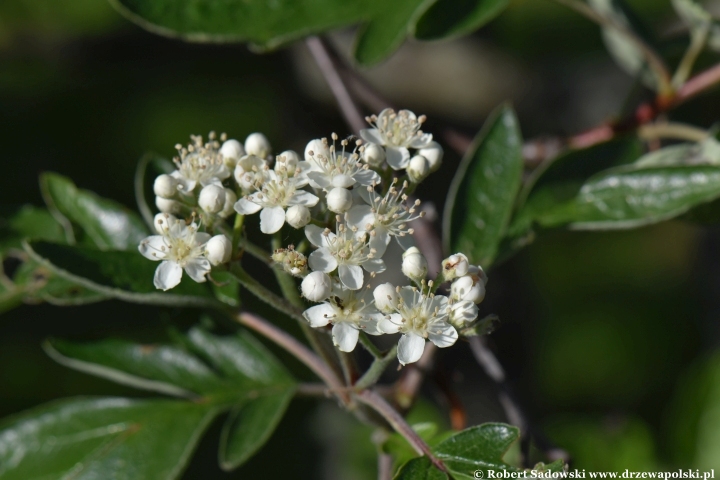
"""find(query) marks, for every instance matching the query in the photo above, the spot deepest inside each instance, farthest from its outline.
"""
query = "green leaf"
(37, 283)
(249, 426)
(123, 275)
(706, 152)
(626, 198)
(481, 197)
(226, 288)
(419, 469)
(28, 222)
(88, 438)
(108, 224)
(269, 25)
(452, 18)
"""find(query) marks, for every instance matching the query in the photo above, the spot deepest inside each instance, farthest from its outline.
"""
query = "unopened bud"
(316, 149)
(212, 198)
(414, 265)
(418, 169)
(477, 271)
(455, 266)
(228, 208)
(297, 216)
(218, 249)
(167, 205)
(433, 152)
(257, 144)
(316, 287)
(232, 151)
(386, 297)
(288, 161)
(339, 200)
(373, 154)
(468, 287)
(165, 186)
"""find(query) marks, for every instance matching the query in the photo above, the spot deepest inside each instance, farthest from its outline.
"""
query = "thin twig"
(381, 406)
(324, 61)
(371, 376)
(670, 130)
(297, 349)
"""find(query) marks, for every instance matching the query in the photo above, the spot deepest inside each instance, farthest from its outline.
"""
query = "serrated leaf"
(629, 198)
(420, 468)
(107, 224)
(482, 195)
(123, 275)
(452, 18)
(116, 438)
(249, 426)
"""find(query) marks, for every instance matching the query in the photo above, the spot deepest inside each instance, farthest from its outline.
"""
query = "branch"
(376, 370)
(324, 61)
(408, 386)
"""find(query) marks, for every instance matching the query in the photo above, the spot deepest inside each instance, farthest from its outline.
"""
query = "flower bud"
(373, 154)
(318, 148)
(257, 144)
(232, 151)
(167, 205)
(433, 153)
(212, 198)
(477, 271)
(287, 160)
(468, 287)
(163, 222)
(218, 249)
(316, 287)
(414, 265)
(248, 171)
(339, 200)
(165, 186)
(228, 208)
(462, 313)
(297, 216)
(418, 169)
(293, 262)
(455, 266)
(386, 297)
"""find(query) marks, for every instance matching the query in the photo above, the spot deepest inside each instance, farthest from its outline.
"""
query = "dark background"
(608, 338)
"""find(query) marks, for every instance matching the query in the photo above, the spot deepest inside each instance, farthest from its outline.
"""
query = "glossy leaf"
(37, 283)
(123, 275)
(91, 438)
(451, 18)
(419, 468)
(482, 195)
(250, 425)
(706, 152)
(107, 224)
(628, 198)
(28, 222)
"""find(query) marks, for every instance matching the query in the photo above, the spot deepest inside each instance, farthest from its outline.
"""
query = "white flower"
(455, 266)
(373, 155)
(165, 186)
(468, 287)
(316, 287)
(462, 313)
(232, 151)
(349, 312)
(419, 315)
(396, 132)
(228, 207)
(179, 246)
(257, 144)
(330, 169)
(418, 169)
(212, 198)
(387, 216)
(274, 195)
(250, 171)
(347, 251)
(433, 152)
(385, 297)
(218, 250)
(199, 163)
(294, 263)
(414, 265)
(339, 200)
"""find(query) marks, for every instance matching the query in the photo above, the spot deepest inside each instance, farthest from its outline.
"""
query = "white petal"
(319, 315)
(380, 241)
(201, 238)
(319, 180)
(246, 207)
(408, 295)
(343, 181)
(351, 276)
(321, 260)
(272, 219)
(345, 336)
(442, 334)
(197, 269)
(410, 348)
(397, 157)
(369, 324)
(374, 265)
(390, 323)
(167, 275)
(153, 247)
(315, 235)
(371, 135)
(405, 241)
(367, 177)
(464, 312)
(360, 216)
(301, 197)
(421, 141)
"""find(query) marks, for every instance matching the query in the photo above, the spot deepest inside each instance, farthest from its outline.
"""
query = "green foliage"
(420, 468)
(481, 198)
(269, 25)
(699, 20)
(28, 222)
(104, 436)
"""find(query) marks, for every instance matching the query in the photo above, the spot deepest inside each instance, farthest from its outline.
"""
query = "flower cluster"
(336, 194)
